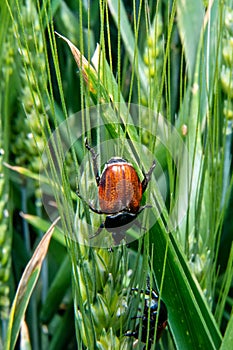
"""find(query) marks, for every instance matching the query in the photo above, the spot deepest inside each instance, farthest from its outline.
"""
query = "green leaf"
(26, 287)
(189, 317)
(24, 172)
(190, 16)
(129, 40)
(64, 330)
(194, 111)
(227, 342)
(57, 290)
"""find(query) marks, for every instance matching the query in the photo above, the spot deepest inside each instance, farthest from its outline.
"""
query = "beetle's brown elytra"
(119, 187)
(120, 193)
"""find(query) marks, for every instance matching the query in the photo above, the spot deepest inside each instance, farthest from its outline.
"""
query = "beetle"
(120, 192)
(149, 318)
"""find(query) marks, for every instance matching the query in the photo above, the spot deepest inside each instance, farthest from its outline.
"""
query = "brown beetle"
(120, 192)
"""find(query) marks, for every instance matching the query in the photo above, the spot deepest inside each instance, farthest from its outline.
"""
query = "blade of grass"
(129, 40)
(57, 290)
(198, 98)
(26, 287)
(190, 16)
(190, 319)
(64, 330)
(226, 285)
(228, 337)
(44, 225)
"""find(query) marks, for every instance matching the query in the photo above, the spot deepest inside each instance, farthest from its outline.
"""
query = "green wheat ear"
(8, 64)
(153, 58)
(101, 284)
(5, 239)
(27, 142)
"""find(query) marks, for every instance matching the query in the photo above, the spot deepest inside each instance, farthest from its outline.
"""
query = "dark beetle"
(149, 317)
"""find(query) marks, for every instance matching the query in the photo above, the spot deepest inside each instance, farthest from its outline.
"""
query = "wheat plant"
(145, 81)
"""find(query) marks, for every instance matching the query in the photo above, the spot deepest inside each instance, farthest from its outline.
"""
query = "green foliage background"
(173, 57)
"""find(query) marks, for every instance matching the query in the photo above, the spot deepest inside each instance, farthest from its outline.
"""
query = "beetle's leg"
(143, 207)
(138, 316)
(97, 211)
(89, 204)
(147, 177)
(118, 236)
(137, 222)
(147, 291)
(94, 156)
(131, 334)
